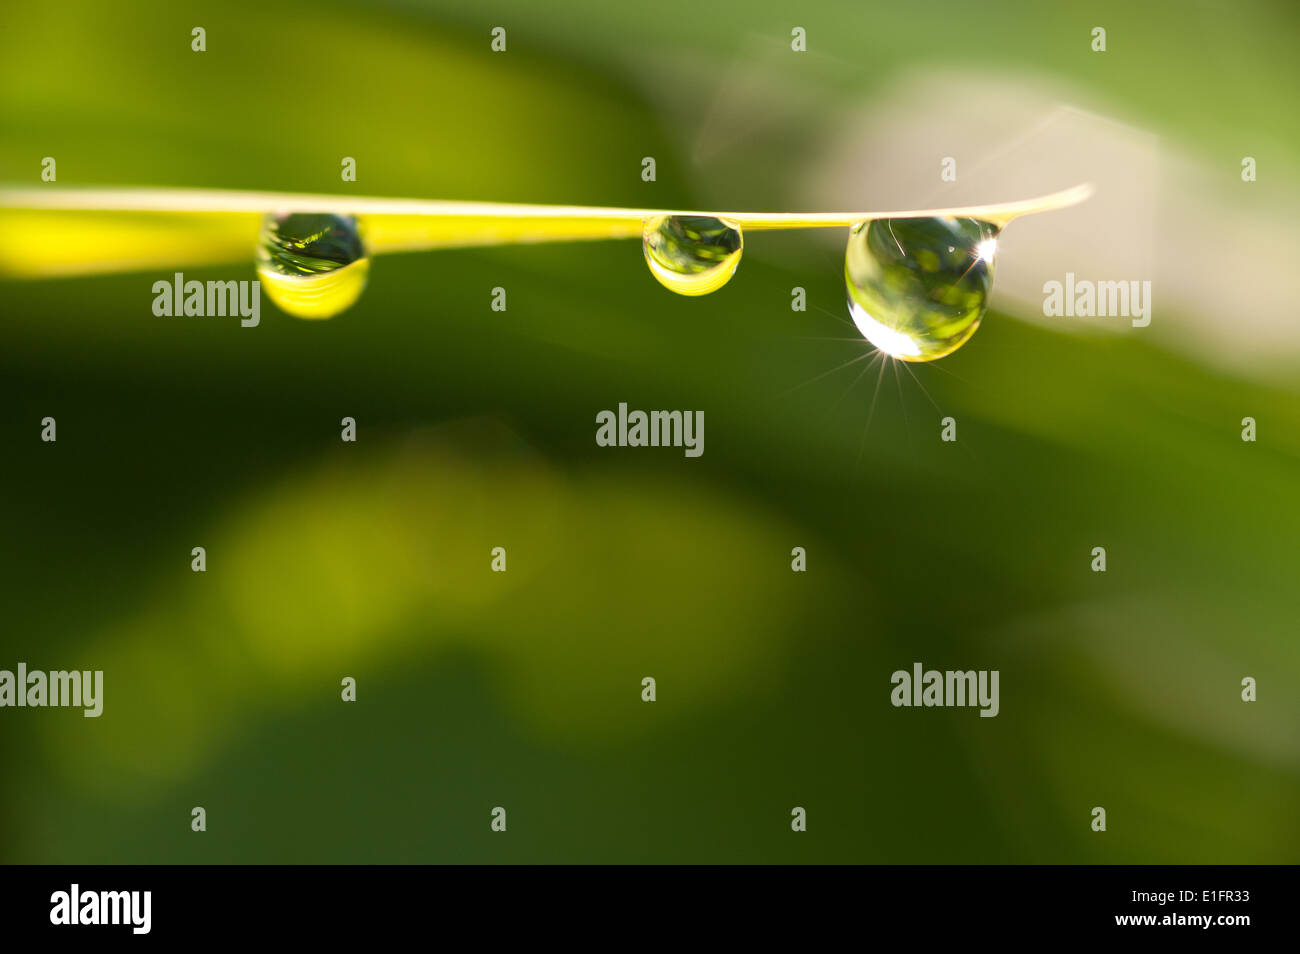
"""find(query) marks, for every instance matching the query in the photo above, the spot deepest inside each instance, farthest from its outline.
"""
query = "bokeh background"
(476, 430)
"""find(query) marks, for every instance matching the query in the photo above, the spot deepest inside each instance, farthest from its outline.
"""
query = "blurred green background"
(476, 430)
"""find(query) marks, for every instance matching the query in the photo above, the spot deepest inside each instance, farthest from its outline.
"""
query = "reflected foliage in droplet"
(312, 264)
(918, 288)
(692, 254)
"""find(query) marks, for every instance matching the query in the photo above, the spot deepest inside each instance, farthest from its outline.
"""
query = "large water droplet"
(312, 264)
(692, 254)
(919, 287)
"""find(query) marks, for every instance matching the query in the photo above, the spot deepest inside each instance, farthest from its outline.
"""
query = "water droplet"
(692, 254)
(919, 287)
(312, 264)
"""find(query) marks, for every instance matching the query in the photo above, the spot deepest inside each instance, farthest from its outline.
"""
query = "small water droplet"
(692, 254)
(312, 264)
(918, 288)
